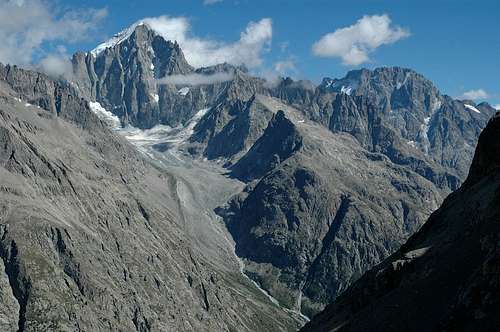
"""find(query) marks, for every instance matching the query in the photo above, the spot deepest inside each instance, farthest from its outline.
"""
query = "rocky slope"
(94, 238)
(319, 209)
(400, 123)
(445, 278)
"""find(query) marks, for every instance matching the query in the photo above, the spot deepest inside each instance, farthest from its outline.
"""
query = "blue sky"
(456, 44)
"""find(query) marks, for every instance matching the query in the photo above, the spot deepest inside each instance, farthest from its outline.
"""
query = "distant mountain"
(445, 277)
(122, 75)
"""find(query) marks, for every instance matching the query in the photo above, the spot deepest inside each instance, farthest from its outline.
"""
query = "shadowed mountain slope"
(445, 277)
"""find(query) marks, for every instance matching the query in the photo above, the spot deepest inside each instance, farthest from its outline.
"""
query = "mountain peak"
(119, 38)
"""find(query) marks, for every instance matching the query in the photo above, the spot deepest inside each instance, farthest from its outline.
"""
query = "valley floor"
(201, 187)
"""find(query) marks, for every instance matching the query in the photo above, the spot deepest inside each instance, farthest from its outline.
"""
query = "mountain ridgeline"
(259, 203)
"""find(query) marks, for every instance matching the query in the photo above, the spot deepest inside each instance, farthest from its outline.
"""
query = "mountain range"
(141, 193)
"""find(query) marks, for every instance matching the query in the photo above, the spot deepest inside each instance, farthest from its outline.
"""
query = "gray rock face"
(94, 238)
(235, 122)
(447, 272)
(123, 78)
(398, 112)
(321, 211)
(265, 155)
(418, 141)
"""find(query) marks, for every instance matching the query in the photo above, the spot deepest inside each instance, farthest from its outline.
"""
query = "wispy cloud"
(211, 2)
(56, 63)
(354, 43)
(25, 25)
(201, 52)
(285, 67)
(475, 94)
(196, 79)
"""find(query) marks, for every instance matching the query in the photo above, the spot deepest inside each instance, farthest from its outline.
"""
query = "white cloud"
(25, 25)
(199, 52)
(475, 94)
(497, 107)
(285, 67)
(196, 79)
(353, 44)
(211, 2)
(56, 64)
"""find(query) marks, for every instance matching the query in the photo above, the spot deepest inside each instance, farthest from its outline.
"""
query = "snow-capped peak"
(116, 39)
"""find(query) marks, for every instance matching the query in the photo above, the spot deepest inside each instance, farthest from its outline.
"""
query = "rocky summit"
(139, 193)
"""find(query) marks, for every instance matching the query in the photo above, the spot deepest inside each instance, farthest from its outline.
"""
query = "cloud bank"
(25, 25)
(196, 79)
(202, 52)
(354, 43)
(475, 94)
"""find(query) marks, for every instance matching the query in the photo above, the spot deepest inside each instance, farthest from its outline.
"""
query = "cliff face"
(94, 238)
(446, 276)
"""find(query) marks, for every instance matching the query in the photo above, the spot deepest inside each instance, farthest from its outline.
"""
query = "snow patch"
(104, 115)
(346, 89)
(152, 67)
(472, 108)
(416, 253)
(184, 91)
(436, 105)
(400, 84)
(156, 97)
(173, 137)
